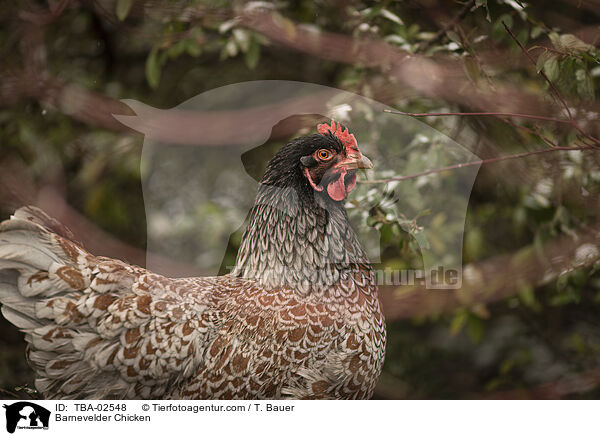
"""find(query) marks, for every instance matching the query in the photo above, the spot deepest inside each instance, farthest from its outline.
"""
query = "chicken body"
(298, 317)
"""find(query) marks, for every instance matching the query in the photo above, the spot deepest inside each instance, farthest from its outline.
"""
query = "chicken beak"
(356, 161)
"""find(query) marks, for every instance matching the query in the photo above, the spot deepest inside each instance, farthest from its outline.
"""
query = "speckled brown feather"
(100, 328)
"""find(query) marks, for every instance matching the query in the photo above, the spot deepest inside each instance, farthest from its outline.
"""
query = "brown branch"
(499, 115)
(11, 394)
(431, 77)
(42, 18)
(174, 126)
(101, 243)
(569, 385)
(468, 114)
(17, 188)
(497, 278)
(213, 128)
(557, 94)
(553, 50)
(458, 17)
(544, 138)
(438, 77)
(555, 90)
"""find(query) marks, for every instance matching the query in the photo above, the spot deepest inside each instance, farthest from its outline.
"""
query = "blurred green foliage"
(163, 53)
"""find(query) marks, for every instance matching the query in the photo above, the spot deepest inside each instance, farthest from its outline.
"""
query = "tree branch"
(499, 277)
(557, 94)
(475, 163)
(470, 114)
(555, 90)
(569, 385)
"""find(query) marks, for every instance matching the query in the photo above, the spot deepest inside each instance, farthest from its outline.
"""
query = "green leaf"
(475, 328)
(571, 43)
(253, 54)
(588, 57)
(536, 32)
(543, 58)
(391, 16)
(527, 296)
(554, 39)
(454, 37)
(551, 68)
(585, 85)
(472, 68)
(474, 242)
(561, 282)
(480, 3)
(192, 48)
(577, 343)
(176, 49)
(568, 43)
(227, 25)
(498, 30)
(421, 240)
(122, 9)
(242, 38)
(458, 322)
(153, 69)
(523, 36)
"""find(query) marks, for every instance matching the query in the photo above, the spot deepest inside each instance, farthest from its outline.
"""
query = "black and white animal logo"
(26, 415)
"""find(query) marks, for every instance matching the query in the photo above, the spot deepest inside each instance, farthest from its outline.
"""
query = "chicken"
(298, 316)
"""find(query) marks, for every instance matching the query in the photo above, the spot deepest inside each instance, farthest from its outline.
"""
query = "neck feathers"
(296, 240)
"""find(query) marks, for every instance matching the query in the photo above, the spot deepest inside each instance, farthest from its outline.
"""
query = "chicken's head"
(332, 165)
(323, 163)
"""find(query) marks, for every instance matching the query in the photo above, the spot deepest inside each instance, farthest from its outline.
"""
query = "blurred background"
(514, 82)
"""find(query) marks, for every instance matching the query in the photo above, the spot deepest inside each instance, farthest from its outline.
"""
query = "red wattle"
(351, 184)
(337, 189)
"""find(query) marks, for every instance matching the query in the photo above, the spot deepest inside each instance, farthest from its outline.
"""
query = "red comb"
(345, 136)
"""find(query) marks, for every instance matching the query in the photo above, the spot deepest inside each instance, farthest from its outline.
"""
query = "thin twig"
(542, 73)
(533, 132)
(460, 15)
(553, 50)
(474, 163)
(555, 90)
(492, 114)
(499, 114)
(569, 385)
(44, 18)
(12, 394)
(496, 278)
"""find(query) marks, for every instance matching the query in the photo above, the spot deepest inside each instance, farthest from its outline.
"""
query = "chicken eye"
(324, 154)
